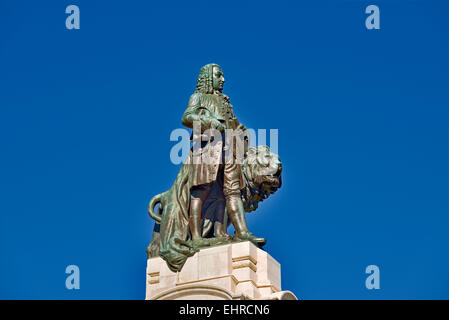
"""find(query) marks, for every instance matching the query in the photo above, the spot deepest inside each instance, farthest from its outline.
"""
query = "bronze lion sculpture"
(261, 171)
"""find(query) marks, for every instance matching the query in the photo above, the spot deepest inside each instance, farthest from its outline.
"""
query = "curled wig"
(204, 84)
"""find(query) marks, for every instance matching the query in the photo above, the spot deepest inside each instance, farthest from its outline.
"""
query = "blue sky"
(86, 116)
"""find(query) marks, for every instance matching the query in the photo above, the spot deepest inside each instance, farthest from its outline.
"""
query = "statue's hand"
(241, 127)
(215, 124)
(240, 131)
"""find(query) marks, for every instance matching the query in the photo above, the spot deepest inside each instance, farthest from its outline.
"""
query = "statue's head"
(210, 79)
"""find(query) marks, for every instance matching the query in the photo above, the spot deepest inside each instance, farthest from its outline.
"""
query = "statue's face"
(218, 79)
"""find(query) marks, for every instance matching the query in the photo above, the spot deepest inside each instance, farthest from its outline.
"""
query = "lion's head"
(262, 174)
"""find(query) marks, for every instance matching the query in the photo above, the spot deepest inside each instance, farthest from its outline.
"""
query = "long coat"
(205, 160)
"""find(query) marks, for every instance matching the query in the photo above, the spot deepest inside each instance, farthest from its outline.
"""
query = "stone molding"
(232, 271)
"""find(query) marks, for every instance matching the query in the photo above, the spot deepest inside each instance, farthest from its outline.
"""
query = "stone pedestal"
(238, 271)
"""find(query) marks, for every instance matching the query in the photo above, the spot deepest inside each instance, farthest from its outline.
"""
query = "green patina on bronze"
(207, 196)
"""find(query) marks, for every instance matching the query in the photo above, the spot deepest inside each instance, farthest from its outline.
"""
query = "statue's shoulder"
(201, 99)
(196, 99)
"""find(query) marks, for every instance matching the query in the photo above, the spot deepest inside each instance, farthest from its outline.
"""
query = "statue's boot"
(236, 212)
(258, 241)
(225, 236)
(196, 205)
(220, 231)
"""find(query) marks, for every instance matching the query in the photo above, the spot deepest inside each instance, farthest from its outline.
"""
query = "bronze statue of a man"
(210, 108)
(218, 181)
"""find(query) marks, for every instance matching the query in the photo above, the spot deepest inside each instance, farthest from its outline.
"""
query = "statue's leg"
(234, 204)
(198, 195)
(221, 218)
(220, 228)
